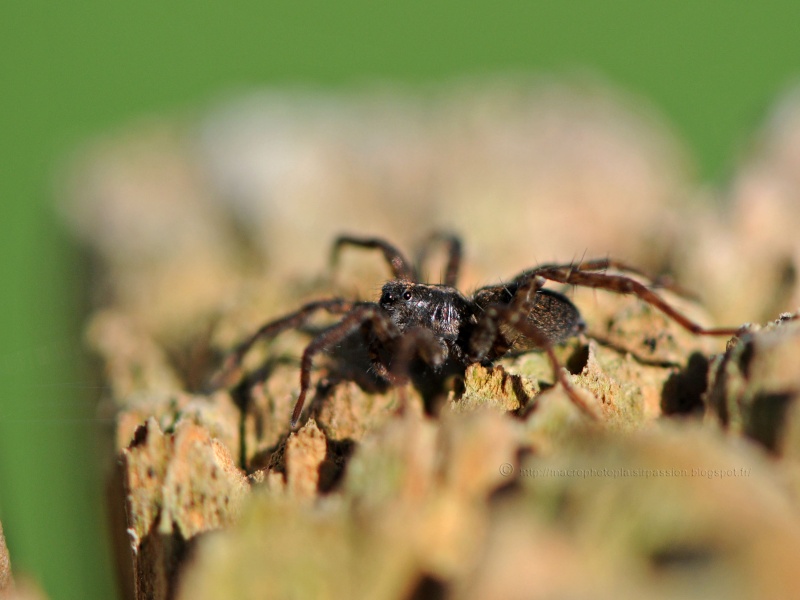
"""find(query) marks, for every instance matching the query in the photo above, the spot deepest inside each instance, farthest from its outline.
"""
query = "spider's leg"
(560, 373)
(604, 264)
(623, 284)
(596, 264)
(230, 368)
(453, 265)
(362, 313)
(401, 268)
(515, 315)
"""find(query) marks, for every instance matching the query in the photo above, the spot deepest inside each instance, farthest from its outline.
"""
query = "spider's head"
(396, 295)
(439, 308)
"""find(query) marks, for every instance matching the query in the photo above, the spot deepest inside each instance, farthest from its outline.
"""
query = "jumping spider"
(440, 330)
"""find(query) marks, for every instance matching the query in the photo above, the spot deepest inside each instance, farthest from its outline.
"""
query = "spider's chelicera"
(442, 330)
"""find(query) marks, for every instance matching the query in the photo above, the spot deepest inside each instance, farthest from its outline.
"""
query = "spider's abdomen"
(440, 309)
(551, 313)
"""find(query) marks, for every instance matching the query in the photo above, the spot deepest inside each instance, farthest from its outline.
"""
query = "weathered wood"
(505, 489)
(177, 485)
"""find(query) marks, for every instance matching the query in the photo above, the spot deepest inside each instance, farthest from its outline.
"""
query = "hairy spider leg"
(515, 315)
(622, 284)
(603, 264)
(453, 265)
(231, 368)
(416, 341)
(365, 312)
(401, 268)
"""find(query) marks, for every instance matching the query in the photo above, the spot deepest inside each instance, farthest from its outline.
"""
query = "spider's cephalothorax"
(441, 309)
(444, 330)
(427, 327)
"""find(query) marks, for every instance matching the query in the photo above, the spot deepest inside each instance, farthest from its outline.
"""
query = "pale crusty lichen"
(494, 388)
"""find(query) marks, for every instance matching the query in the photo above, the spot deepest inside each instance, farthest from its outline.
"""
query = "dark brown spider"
(442, 331)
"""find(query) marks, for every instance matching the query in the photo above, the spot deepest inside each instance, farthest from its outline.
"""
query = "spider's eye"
(406, 295)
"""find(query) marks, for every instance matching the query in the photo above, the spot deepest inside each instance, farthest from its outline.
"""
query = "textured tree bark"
(499, 486)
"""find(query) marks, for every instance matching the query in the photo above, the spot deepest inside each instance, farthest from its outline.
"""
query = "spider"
(443, 331)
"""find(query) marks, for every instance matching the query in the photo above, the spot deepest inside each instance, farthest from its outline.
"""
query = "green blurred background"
(74, 70)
